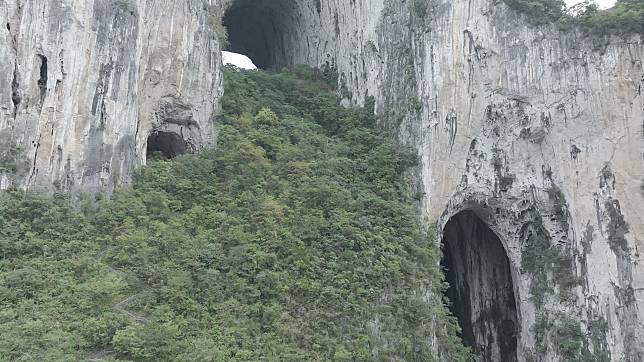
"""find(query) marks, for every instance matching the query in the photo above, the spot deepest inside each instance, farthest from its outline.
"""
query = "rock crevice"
(85, 83)
(481, 290)
(515, 120)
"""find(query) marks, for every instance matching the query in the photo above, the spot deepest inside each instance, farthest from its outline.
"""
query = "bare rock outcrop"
(537, 133)
(84, 84)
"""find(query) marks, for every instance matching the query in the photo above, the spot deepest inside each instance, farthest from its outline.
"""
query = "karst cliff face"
(530, 139)
(85, 83)
(537, 133)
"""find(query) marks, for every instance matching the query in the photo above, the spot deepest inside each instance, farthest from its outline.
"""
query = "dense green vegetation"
(553, 278)
(296, 239)
(625, 18)
(564, 333)
(539, 11)
(215, 21)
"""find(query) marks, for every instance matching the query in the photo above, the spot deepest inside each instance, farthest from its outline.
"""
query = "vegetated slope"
(296, 239)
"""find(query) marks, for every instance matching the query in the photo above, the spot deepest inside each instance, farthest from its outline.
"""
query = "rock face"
(541, 134)
(84, 84)
(535, 134)
(481, 290)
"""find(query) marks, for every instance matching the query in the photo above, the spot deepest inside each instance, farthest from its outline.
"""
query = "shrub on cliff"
(625, 18)
(539, 11)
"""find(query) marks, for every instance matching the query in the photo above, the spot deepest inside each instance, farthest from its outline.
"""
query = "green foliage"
(569, 339)
(55, 300)
(296, 239)
(415, 105)
(539, 12)
(564, 332)
(549, 265)
(216, 23)
(625, 18)
(127, 6)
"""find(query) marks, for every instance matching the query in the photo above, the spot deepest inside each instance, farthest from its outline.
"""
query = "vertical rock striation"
(542, 131)
(85, 84)
(538, 133)
(481, 289)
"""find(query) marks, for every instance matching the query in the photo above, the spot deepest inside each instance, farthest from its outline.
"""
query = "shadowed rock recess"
(258, 29)
(480, 287)
(539, 127)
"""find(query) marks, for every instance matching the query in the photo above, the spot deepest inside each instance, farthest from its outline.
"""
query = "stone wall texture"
(84, 83)
(523, 125)
(539, 132)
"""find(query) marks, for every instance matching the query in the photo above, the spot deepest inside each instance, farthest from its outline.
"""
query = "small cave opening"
(259, 29)
(165, 146)
(42, 80)
(481, 290)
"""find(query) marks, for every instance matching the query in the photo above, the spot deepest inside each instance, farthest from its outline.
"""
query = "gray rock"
(85, 84)
(537, 132)
(493, 106)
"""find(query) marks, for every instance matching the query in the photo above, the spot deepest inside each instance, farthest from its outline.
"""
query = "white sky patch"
(603, 4)
(244, 62)
(238, 60)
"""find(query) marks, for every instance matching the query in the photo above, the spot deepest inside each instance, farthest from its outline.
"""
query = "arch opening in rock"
(259, 29)
(481, 290)
(165, 146)
(238, 60)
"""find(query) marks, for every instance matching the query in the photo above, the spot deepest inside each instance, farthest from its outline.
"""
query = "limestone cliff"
(85, 83)
(538, 132)
(535, 134)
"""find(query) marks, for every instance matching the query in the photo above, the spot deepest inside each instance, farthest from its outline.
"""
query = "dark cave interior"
(258, 29)
(165, 146)
(481, 291)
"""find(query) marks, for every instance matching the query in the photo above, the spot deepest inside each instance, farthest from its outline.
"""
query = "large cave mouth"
(165, 146)
(259, 29)
(481, 291)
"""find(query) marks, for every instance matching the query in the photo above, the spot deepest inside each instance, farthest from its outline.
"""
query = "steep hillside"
(296, 239)
(526, 123)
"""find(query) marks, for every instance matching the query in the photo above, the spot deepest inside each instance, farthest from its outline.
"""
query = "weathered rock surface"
(538, 132)
(83, 85)
(515, 118)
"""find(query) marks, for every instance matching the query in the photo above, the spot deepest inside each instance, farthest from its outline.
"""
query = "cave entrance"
(259, 29)
(165, 146)
(481, 292)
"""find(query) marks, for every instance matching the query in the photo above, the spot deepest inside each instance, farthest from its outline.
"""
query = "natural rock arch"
(260, 29)
(481, 288)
